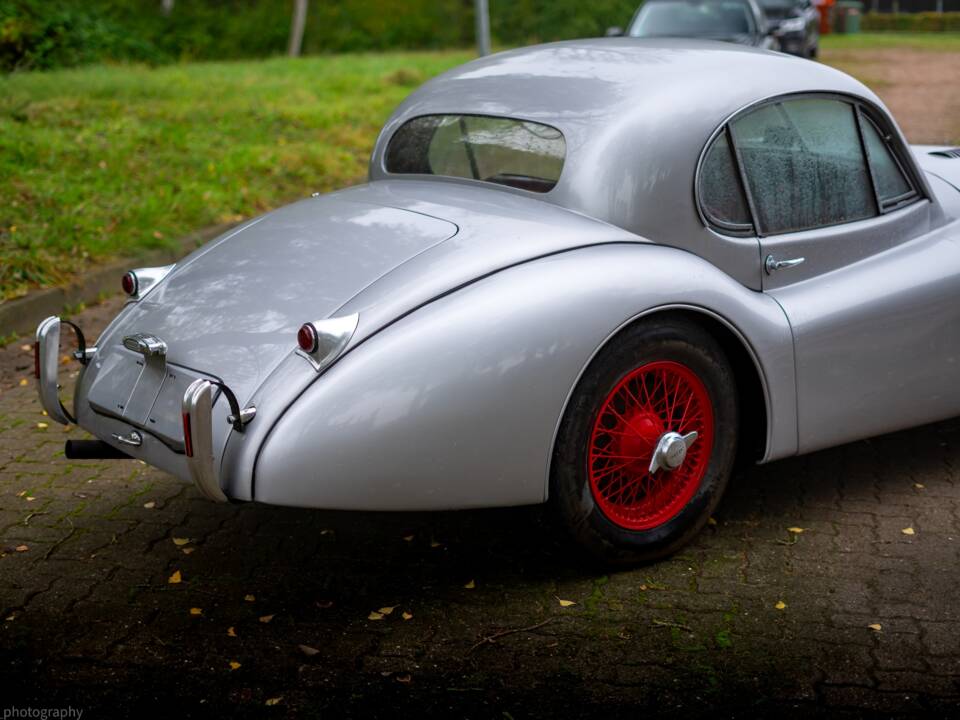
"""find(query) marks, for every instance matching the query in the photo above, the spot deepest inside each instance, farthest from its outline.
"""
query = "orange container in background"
(826, 15)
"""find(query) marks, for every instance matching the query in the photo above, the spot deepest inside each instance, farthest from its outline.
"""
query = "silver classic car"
(592, 274)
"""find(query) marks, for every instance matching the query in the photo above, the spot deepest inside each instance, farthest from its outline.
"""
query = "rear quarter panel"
(457, 404)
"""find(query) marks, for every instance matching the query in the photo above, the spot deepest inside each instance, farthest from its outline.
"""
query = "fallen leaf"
(24, 382)
(175, 578)
(876, 627)
(308, 651)
(908, 531)
(795, 530)
(180, 541)
(375, 616)
(234, 665)
(187, 551)
(386, 610)
(407, 616)
(434, 544)
(711, 521)
(42, 426)
(231, 632)
(470, 585)
(150, 505)
(780, 605)
(10, 618)
(643, 588)
(273, 701)
(29, 498)
(404, 678)
(266, 618)
(196, 611)
(565, 603)
(249, 598)
(324, 604)
(22, 548)
(919, 486)
(409, 538)
(21, 493)
(27, 348)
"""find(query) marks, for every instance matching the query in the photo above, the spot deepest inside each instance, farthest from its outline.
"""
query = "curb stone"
(22, 315)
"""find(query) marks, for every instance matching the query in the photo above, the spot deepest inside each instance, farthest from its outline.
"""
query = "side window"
(804, 165)
(720, 191)
(893, 187)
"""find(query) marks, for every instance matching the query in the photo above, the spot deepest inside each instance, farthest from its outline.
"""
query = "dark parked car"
(796, 24)
(739, 21)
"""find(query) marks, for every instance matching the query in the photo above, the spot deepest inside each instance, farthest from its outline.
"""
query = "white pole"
(297, 26)
(482, 11)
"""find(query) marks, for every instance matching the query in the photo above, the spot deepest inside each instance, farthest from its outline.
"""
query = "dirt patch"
(918, 86)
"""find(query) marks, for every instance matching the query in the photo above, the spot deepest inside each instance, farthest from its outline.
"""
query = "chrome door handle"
(771, 265)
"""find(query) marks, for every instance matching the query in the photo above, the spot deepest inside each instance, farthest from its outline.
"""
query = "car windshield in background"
(517, 153)
(779, 9)
(693, 18)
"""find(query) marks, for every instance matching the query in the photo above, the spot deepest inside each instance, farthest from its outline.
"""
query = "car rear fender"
(457, 404)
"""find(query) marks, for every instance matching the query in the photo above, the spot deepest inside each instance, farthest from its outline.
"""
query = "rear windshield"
(517, 153)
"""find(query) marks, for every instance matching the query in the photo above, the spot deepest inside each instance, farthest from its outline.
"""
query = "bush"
(911, 22)
(51, 33)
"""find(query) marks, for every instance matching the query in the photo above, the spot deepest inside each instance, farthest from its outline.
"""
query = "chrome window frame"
(862, 109)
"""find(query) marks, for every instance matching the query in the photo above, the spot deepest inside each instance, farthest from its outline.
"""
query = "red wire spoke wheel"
(652, 400)
(647, 442)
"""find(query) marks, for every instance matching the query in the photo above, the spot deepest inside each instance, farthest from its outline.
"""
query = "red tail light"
(129, 283)
(187, 435)
(307, 338)
(36, 359)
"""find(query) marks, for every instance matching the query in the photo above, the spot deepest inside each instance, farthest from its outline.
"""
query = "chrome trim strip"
(197, 406)
(48, 347)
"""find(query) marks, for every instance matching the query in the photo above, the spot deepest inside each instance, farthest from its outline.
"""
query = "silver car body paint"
(480, 306)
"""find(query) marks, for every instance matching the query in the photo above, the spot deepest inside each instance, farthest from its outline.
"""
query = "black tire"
(667, 337)
(814, 52)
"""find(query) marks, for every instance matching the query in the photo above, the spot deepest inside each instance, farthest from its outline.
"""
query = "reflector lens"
(187, 436)
(129, 283)
(36, 359)
(307, 338)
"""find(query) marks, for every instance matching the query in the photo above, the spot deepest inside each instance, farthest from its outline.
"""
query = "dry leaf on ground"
(908, 531)
(22, 548)
(266, 618)
(234, 665)
(780, 605)
(375, 616)
(387, 610)
(407, 616)
(273, 701)
(150, 505)
(795, 530)
(196, 611)
(565, 603)
(308, 651)
(175, 578)
(249, 598)
(180, 541)
(470, 585)
(876, 627)
(231, 632)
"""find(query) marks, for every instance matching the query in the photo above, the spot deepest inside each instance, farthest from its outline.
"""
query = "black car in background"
(796, 24)
(739, 21)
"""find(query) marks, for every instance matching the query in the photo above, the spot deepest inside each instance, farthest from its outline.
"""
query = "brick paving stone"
(93, 617)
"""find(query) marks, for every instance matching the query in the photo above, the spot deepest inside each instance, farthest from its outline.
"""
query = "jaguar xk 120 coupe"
(592, 274)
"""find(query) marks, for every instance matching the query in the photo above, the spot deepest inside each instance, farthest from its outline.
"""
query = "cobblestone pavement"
(855, 614)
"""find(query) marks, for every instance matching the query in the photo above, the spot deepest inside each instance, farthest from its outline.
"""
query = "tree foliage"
(38, 34)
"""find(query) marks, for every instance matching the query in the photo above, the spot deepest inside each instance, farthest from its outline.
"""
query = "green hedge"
(37, 34)
(911, 22)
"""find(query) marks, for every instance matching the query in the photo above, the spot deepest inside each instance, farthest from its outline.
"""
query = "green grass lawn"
(939, 42)
(107, 161)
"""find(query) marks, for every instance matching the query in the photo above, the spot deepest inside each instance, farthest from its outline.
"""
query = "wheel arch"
(753, 395)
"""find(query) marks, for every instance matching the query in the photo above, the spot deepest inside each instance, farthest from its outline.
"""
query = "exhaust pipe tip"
(92, 450)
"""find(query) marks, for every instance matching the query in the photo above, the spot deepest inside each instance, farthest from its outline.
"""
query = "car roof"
(630, 109)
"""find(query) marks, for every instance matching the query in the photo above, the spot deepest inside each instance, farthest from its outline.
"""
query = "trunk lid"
(232, 309)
